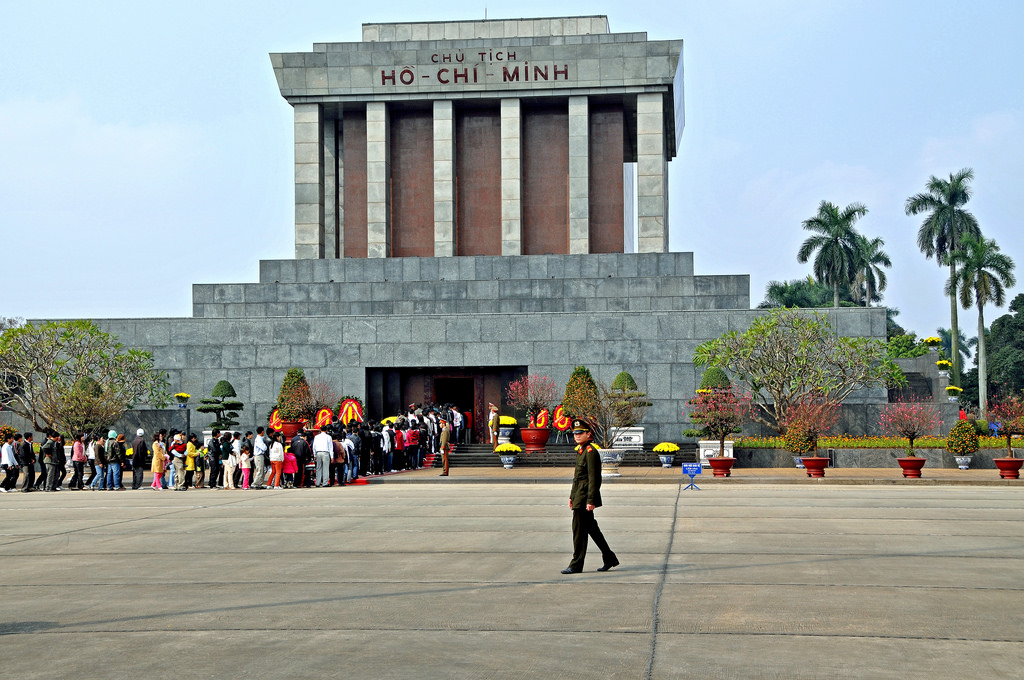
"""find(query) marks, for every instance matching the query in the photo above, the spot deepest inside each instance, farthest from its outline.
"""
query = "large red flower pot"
(815, 465)
(721, 466)
(535, 438)
(290, 427)
(1009, 468)
(912, 466)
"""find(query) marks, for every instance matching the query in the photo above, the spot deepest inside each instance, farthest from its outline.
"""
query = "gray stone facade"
(642, 312)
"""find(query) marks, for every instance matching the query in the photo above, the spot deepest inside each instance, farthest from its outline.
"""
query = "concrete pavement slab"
(437, 580)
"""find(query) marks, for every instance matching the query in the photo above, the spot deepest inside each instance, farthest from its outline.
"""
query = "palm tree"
(984, 275)
(947, 343)
(870, 260)
(796, 293)
(942, 232)
(835, 239)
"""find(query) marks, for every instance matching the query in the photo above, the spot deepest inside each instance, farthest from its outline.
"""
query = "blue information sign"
(691, 470)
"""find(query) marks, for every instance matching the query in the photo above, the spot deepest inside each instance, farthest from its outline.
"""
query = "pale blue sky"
(144, 146)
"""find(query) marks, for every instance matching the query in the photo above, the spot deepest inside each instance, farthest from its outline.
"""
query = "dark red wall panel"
(545, 207)
(412, 184)
(478, 181)
(606, 204)
(353, 143)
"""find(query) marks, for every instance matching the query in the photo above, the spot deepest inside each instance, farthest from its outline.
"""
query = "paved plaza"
(417, 577)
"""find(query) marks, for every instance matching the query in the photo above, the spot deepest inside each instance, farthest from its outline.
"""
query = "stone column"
(652, 174)
(330, 189)
(579, 175)
(511, 178)
(444, 178)
(378, 180)
(309, 182)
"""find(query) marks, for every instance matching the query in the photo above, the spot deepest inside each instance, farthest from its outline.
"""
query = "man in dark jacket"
(139, 452)
(213, 459)
(302, 452)
(584, 498)
(27, 460)
(48, 452)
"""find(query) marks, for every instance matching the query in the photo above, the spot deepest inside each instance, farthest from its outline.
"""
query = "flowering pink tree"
(1009, 413)
(806, 420)
(719, 412)
(909, 418)
(533, 394)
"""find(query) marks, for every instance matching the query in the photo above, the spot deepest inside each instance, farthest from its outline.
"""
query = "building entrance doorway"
(390, 391)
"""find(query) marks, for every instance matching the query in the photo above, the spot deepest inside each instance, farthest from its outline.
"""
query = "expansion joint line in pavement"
(661, 582)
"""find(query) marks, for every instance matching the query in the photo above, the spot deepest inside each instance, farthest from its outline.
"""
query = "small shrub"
(962, 440)
(715, 379)
(980, 426)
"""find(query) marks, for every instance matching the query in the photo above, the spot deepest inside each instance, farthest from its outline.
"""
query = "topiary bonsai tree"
(294, 401)
(714, 379)
(223, 403)
(630, 404)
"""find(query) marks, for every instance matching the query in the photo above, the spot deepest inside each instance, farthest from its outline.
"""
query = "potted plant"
(666, 453)
(182, 399)
(507, 452)
(909, 418)
(805, 422)
(533, 394)
(944, 367)
(962, 442)
(588, 399)
(720, 411)
(953, 392)
(932, 342)
(630, 408)
(506, 426)
(1010, 416)
(294, 402)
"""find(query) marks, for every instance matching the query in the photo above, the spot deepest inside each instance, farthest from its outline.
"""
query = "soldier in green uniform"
(583, 499)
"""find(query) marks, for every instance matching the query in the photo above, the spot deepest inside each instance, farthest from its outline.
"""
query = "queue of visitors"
(334, 456)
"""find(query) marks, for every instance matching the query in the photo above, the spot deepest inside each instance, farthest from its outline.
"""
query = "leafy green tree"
(835, 241)
(945, 226)
(983, 277)
(1005, 345)
(223, 404)
(870, 260)
(906, 346)
(72, 376)
(294, 401)
(788, 357)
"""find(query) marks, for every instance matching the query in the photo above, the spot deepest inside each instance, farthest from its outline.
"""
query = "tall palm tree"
(945, 225)
(796, 293)
(835, 239)
(984, 275)
(870, 260)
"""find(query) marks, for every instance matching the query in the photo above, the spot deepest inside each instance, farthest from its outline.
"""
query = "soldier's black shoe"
(608, 565)
(570, 570)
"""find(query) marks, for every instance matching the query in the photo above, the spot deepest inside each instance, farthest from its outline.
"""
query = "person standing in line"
(48, 452)
(213, 459)
(116, 454)
(236, 448)
(78, 460)
(159, 464)
(276, 461)
(245, 462)
(62, 463)
(584, 498)
(100, 453)
(259, 454)
(9, 464)
(177, 450)
(139, 453)
(456, 424)
(191, 454)
(230, 463)
(27, 459)
(323, 449)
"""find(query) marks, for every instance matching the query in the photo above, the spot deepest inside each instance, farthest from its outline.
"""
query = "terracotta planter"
(721, 466)
(535, 438)
(1009, 468)
(290, 427)
(912, 466)
(815, 465)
